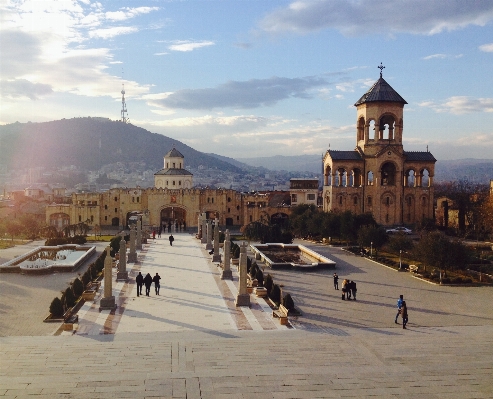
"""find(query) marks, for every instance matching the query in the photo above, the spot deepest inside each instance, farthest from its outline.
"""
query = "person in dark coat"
(171, 239)
(336, 281)
(352, 287)
(169, 227)
(147, 283)
(184, 226)
(160, 231)
(140, 281)
(404, 314)
(157, 285)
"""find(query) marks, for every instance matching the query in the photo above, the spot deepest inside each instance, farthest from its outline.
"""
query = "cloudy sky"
(254, 78)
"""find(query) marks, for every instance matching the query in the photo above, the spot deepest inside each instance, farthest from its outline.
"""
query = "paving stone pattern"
(190, 342)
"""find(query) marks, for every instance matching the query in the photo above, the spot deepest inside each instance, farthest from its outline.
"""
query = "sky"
(248, 78)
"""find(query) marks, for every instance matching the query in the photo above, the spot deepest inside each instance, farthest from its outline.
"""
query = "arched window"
(388, 174)
(386, 128)
(371, 130)
(425, 178)
(369, 178)
(361, 129)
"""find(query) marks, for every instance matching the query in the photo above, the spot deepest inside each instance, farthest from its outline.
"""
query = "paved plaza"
(192, 342)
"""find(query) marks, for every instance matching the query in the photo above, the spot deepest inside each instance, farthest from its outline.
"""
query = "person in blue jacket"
(399, 307)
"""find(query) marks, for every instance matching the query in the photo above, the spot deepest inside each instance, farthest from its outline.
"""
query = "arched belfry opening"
(388, 174)
(361, 129)
(387, 127)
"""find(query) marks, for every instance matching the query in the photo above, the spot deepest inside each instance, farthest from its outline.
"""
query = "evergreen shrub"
(56, 307)
(259, 275)
(288, 302)
(268, 283)
(77, 288)
(275, 294)
(69, 297)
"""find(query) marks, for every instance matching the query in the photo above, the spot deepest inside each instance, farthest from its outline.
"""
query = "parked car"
(401, 230)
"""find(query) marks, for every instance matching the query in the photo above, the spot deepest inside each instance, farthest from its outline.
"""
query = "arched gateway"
(172, 214)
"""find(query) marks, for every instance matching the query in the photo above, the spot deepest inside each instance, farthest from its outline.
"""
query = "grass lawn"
(99, 238)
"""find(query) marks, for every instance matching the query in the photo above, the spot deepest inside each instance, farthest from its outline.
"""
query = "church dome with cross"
(173, 175)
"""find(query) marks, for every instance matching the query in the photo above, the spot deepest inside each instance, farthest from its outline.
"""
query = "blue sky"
(254, 78)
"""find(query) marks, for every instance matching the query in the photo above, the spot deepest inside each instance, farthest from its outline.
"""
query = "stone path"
(190, 342)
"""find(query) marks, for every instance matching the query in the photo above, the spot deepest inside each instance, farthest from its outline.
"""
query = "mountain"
(88, 143)
(473, 170)
(306, 163)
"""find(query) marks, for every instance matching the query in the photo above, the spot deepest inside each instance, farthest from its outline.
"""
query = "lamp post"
(371, 249)
(400, 259)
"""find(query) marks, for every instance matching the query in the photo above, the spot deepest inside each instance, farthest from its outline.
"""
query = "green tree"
(399, 242)
(436, 250)
(372, 236)
(13, 228)
(30, 226)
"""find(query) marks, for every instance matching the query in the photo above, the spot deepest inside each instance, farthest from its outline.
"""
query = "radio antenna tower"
(124, 106)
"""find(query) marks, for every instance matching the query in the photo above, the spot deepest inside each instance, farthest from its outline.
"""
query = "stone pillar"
(139, 234)
(108, 300)
(132, 255)
(208, 246)
(243, 298)
(203, 237)
(122, 264)
(216, 257)
(226, 273)
(199, 226)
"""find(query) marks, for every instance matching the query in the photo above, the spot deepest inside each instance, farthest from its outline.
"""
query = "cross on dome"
(381, 67)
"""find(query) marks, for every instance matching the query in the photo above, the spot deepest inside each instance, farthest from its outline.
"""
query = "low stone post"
(139, 234)
(108, 300)
(199, 226)
(208, 246)
(132, 255)
(122, 264)
(243, 298)
(216, 257)
(226, 273)
(203, 238)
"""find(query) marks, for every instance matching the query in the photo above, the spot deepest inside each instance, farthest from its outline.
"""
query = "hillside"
(89, 143)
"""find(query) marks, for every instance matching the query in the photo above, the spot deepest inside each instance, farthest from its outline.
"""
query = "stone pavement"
(190, 341)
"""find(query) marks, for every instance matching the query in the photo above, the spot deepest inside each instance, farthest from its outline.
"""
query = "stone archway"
(173, 215)
(59, 220)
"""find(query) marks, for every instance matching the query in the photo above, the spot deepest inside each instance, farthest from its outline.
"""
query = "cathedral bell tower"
(379, 118)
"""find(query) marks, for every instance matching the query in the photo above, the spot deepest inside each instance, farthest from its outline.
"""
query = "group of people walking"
(348, 287)
(349, 290)
(147, 281)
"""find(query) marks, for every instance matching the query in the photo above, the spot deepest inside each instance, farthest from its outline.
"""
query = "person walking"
(352, 286)
(344, 289)
(336, 281)
(159, 231)
(404, 314)
(157, 285)
(140, 281)
(399, 307)
(171, 239)
(147, 283)
(153, 234)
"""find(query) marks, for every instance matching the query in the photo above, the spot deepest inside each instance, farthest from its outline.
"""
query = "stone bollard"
(227, 273)
(203, 237)
(216, 257)
(243, 298)
(108, 300)
(122, 274)
(139, 235)
(132, 255)
(208, 246)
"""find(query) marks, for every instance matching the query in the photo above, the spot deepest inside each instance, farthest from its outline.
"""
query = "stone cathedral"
(378, 176)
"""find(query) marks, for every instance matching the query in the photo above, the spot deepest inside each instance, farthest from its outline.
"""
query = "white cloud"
(186, 45)
(442, 56)
(487, 48)
(127, 13)
(377, 16)
(460, 105)
(108, 33)
(165, 53)
(45, 46)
